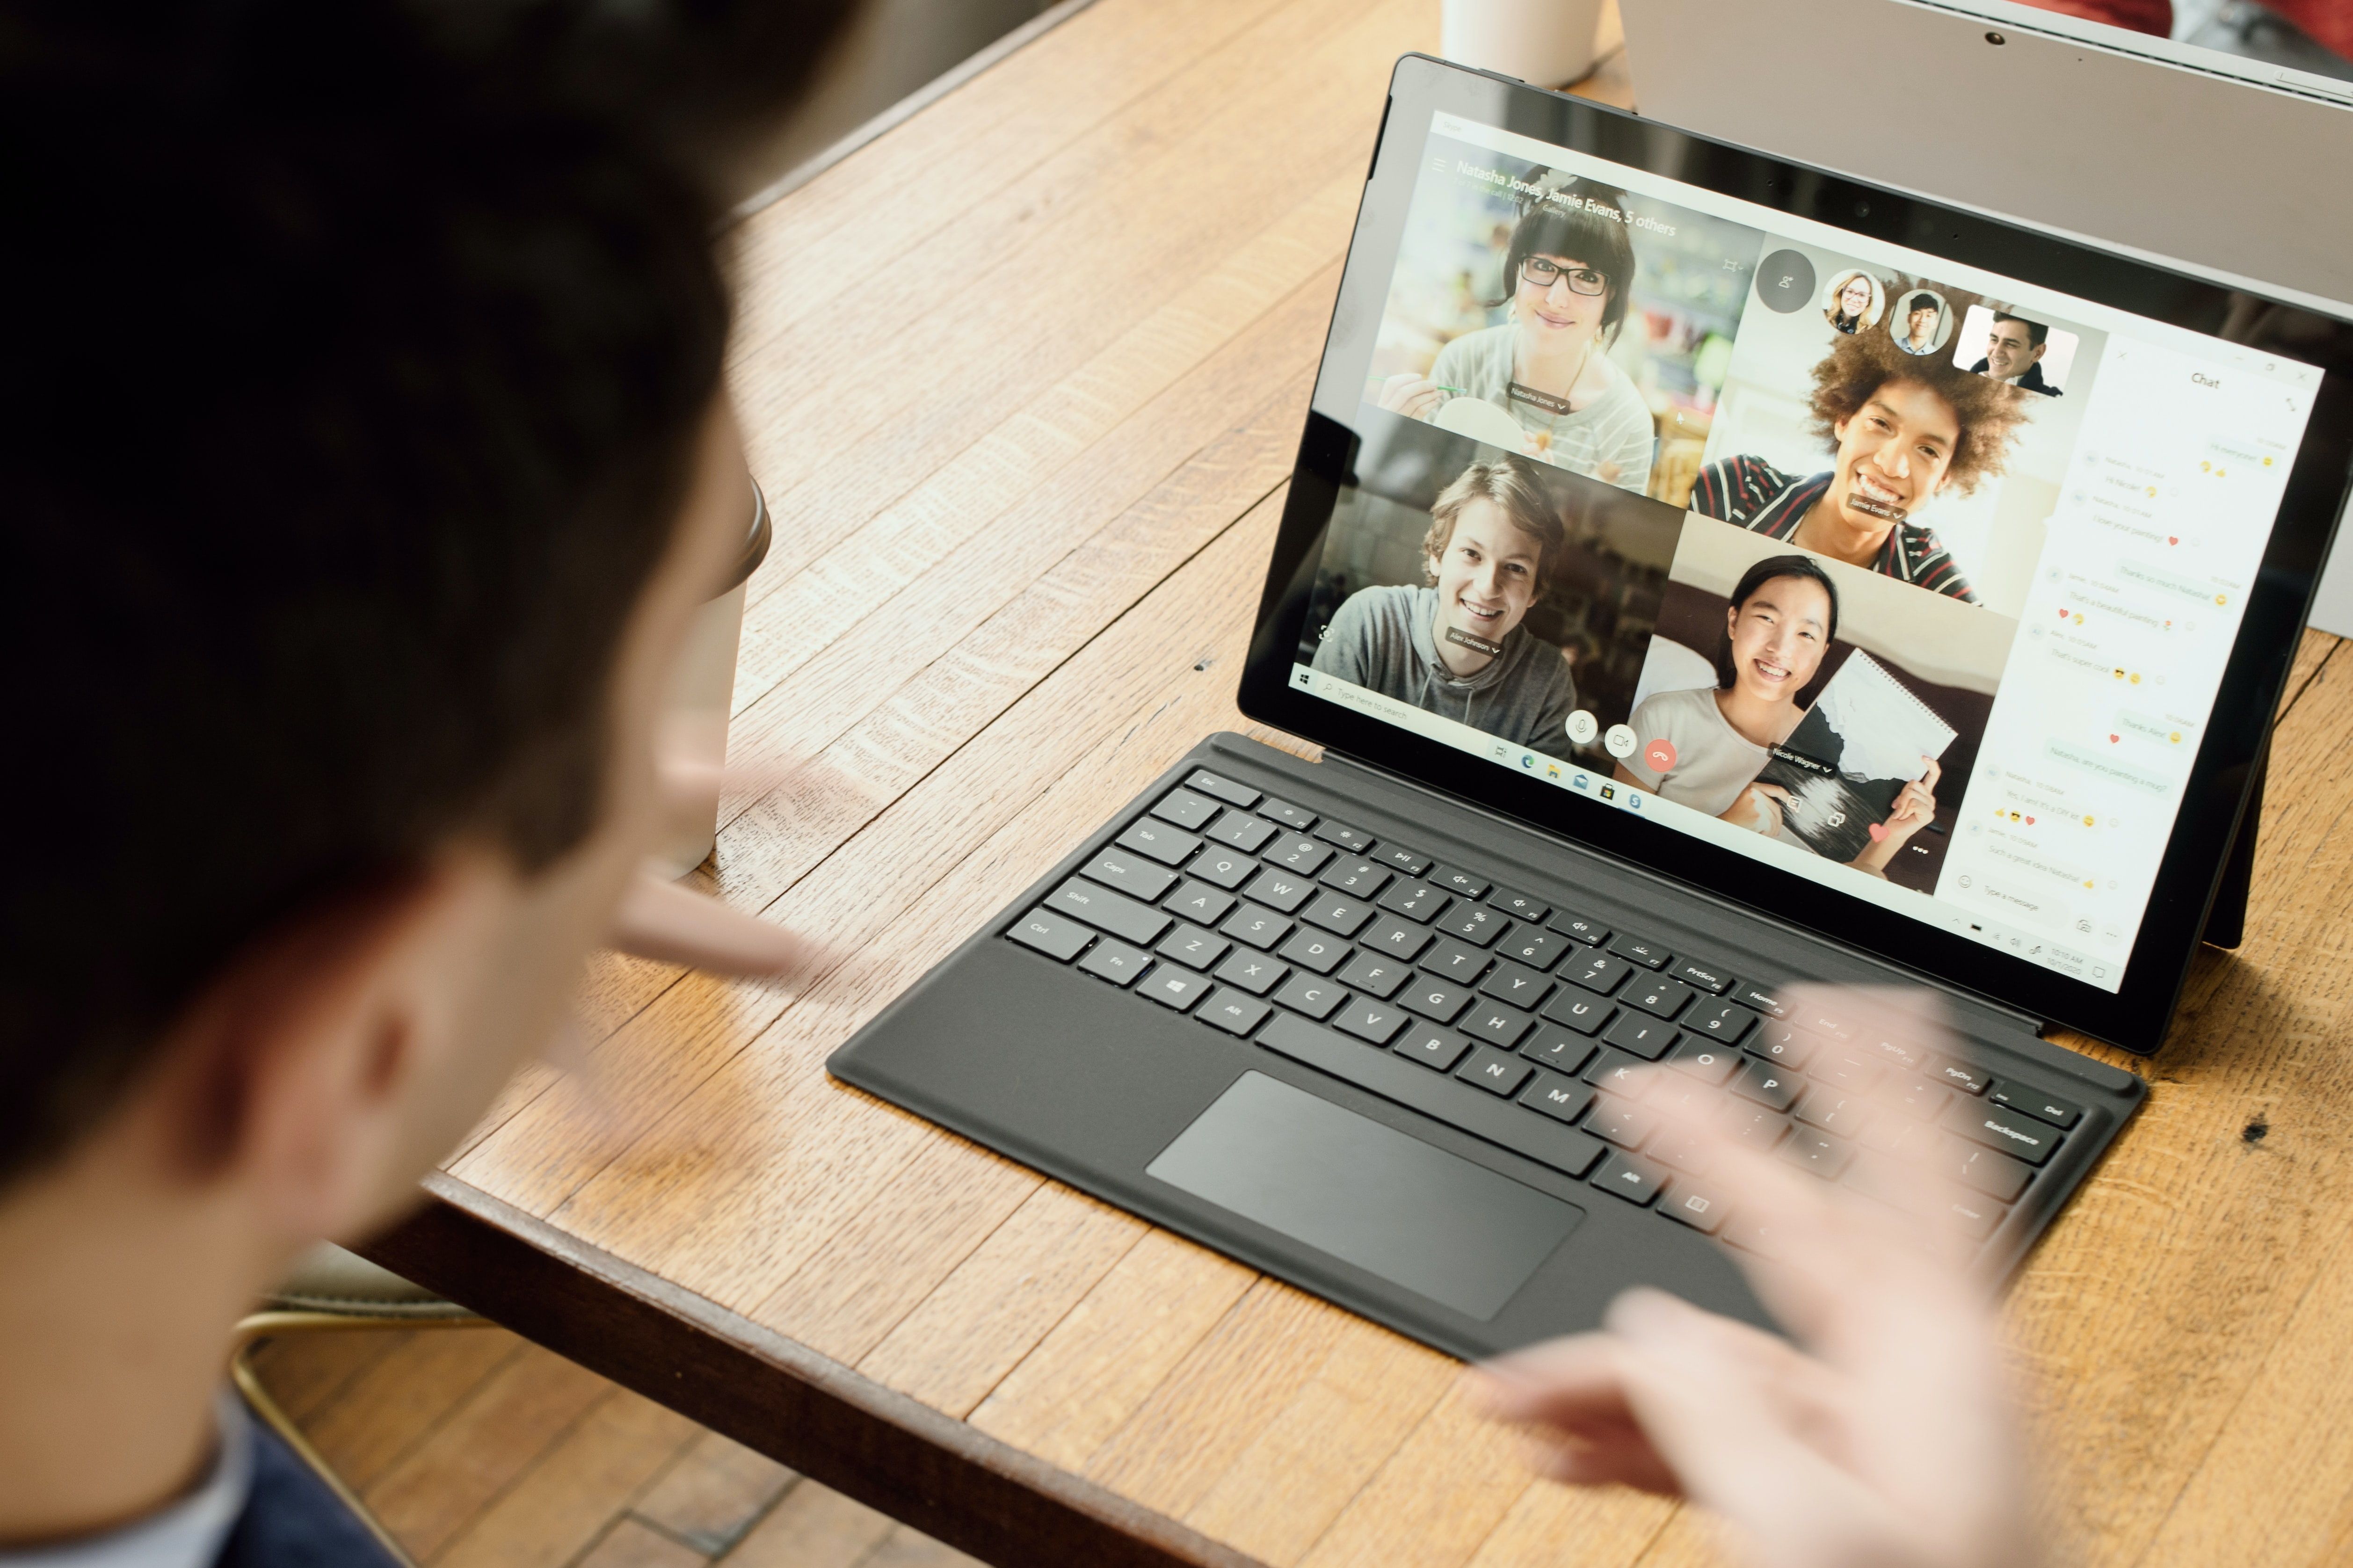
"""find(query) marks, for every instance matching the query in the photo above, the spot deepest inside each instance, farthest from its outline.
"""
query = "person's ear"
(294, 1074)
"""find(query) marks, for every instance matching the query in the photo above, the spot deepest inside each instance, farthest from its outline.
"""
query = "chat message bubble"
(2107, 767)
(2153, 727)
(2171, 581)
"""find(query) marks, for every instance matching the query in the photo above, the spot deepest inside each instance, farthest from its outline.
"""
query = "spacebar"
(1474, 1110)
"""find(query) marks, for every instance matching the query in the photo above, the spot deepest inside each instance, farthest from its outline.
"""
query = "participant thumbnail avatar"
(1854, 301)
(2026, 354)
(1455, 645)
(1922, 322)
(1901, 430)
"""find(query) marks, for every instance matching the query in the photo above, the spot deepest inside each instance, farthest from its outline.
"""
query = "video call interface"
(1914, 580)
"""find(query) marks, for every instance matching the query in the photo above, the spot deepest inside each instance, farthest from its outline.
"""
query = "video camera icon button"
(1619, 742)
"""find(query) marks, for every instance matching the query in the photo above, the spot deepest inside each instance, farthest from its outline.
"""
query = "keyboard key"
(1679, 1151)
(1402, 858)
(1372, 1021)
(1350, 838)
(1995, 1174)
(1115, 961)
(1924, 1097)
(1773, 1087)
(1588, 1015)
(1315, 950)
(1597, 972)
(1253, 972)
(1461, 882)
(1199, 901)
(2034, 1102)
(1754, 1125)
(1761, 998)
(1847, 1115)
(1434, 999)
(1455, 959)
(1290, 815)
(1695, 1204)
(1163, 843)
(1312, 994)
(1661, 998)
(1578, 928)
(1106, 910)
(1223, 789)
(1706, 1060)
(1561, 1098)
(1482, 1116)
(1641, 1037)
(1558, 1048)
(1719, 1021)
(1497, 1072)
(1279, 890)
(1231, 1011)
(1900, 1135)
(1303, 856)
(1882, 1045)
(1357, 878)
(1125, 871)
(1394, 939)
(1519, 906)
(1640, 949)
(1786, 1044)
(1174, 987)
(1701, 976)
(1186, 809)
(1974, 1216)
(1813, 1150)
(1372, 973)
(1051, 935)
(1474, 923)
(1536, 949)
(1999, 1127)
(1338, 912)
(1635, 1180)
(1223, 868)
(1630, 1077)
(1192, 947)
(1242, 831)
(1960, 1075)
(1416, 902)
(1432, 1048)
(1521, 986)
(1494, 1024)
(1621, 1122)
(1842, 1071)
(1257, 926)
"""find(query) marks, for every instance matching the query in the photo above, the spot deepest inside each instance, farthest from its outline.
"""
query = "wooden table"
(1024, 502)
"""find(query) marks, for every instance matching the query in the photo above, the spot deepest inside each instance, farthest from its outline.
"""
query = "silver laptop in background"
(2236, 168)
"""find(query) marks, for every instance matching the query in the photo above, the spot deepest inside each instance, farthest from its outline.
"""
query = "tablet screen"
(1912, 580)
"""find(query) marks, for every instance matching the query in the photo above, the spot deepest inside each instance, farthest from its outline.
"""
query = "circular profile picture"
(1853, 301)
(1921, 322)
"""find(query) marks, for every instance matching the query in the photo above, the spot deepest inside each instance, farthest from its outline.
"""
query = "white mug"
(1549, 43)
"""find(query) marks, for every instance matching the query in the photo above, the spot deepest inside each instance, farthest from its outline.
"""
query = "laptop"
(1704, 574)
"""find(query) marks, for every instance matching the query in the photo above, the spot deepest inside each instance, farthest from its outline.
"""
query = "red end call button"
(1660, 755)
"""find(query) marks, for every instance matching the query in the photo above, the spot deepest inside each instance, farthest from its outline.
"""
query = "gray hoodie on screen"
(1381, 638)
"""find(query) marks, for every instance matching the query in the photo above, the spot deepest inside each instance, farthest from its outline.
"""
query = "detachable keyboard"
(1326, 925)
(1312, 938)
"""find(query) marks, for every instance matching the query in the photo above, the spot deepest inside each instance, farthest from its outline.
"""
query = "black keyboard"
(1520, 1023)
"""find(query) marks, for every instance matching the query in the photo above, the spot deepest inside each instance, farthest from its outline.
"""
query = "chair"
(333, 1291)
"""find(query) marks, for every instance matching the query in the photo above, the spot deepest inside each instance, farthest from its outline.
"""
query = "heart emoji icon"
(2112, 739)
(2063, 614)
(2173, 539)
(1878, 831)
(2030, 822)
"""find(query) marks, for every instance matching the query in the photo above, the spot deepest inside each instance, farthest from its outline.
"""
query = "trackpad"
(1418, 1217)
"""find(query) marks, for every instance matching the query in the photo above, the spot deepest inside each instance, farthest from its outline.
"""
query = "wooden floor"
(478, 1449)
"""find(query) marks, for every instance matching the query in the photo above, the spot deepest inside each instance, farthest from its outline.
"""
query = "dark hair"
(1920, 302)
(2036, 331)
(1510, 483)
(1755, 578)
(362, 357)
(1988, 412)
(1583, 219)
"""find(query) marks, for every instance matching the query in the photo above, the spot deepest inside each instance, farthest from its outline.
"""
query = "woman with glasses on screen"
(1567, 272)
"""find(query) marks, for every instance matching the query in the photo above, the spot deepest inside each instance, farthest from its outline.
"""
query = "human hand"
(1915, 803)
(1882, 1438)
(1759, 809)
(1416, 396)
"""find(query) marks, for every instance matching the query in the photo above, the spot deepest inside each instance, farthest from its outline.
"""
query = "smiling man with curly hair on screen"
(1904, 430)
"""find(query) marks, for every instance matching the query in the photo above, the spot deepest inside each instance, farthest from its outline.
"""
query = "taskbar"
(1604, 787)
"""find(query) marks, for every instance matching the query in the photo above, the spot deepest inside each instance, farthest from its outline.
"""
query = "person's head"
(1570, 265)
(1920, 317)
(1852, 299)
(2014, 345)
(1904, 429)
(1783, 613)
(366, 460)
(1493, 533)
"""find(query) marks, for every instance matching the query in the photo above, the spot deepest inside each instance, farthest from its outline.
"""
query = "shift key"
(1107, 911)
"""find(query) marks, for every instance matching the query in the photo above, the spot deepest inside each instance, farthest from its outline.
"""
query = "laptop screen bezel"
(2135, 1016)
